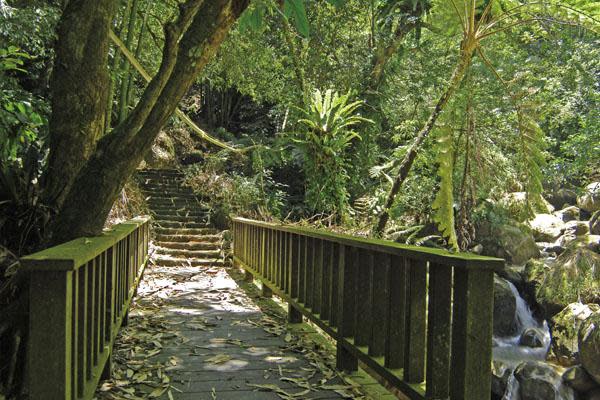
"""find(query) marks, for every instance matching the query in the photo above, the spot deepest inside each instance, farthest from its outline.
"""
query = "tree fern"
(443, 205)
(532, 158)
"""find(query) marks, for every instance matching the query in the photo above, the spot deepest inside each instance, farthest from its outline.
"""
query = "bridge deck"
(194, 333)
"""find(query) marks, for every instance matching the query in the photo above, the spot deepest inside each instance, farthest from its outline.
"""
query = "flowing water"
(508, 350)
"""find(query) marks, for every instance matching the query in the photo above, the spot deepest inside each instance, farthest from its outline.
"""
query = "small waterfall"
(508, 349)
(524, 315)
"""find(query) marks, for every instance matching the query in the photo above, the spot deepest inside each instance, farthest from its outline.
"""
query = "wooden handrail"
(79, 297)
(420, 318)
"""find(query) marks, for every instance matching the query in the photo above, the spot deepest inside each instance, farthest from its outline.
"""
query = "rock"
(564, 330)
(589, 345)
(568, 214)
(531, 337)
(477, 249)
(592, 242)
(590, 199)
(505, 308)
(517, 245)
(513, 274)
(516, 205)
(554, 248)
(571, 277)
(595, 224)
(577, 228)
(577, 378)
(162, 153)
(511, 240)
(539, 381)
(546, 227)
(566, 240)
(501, 372)
(194, 157)
(562, 196)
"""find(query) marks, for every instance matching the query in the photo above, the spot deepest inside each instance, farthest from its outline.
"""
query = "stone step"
(179, 218)
(167, 261)
(169, 195)
(190, 204)
(160, 183)
(179, 224)
(202, 254)
(190, 245)
(159, 172)
(187, 238)
(186, 231)
(180, 212)
(165, 188)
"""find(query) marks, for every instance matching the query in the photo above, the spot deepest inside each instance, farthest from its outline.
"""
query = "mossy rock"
(512, 241)
(574, 276)
(589, 346)
(565, 328)
(162, 153)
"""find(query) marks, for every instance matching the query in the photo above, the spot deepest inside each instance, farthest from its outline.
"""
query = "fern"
(532, 158)
(444, 200)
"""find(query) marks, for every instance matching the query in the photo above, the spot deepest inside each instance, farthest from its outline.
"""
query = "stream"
(511, 353)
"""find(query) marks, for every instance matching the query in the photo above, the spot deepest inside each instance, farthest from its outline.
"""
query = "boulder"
(501, 372)
(566, 239)
(531, 337)
(576, 228)
(546, 227)
(539, 381)
(589, 345)
(505, 308)
(577, 378)
(516, 205)
(571, 277)
(568, 214)
(564, 330)
(595, 224)
(562, 196)
(516, 244)
(590, 199)
(592, 242)
(162, 153)
(554, 248)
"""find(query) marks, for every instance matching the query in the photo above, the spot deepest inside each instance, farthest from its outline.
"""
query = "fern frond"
(443, 205)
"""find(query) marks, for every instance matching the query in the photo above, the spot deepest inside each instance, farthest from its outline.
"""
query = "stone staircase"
(183, 236)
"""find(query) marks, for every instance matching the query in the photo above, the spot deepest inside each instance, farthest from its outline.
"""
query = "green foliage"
(19, 121)
(443, 205)
(328, 123)
(228, 192)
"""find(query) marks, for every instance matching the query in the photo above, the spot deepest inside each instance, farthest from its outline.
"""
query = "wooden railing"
(420, 318)
(79, 296)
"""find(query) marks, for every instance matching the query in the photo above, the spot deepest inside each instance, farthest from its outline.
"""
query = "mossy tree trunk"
(190, 43)
(79, 85)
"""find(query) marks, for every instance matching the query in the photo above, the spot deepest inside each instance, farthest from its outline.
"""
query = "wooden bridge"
(419, 320)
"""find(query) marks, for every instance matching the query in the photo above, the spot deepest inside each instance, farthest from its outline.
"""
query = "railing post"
(346, 305)
(472, 334)
(50, 319)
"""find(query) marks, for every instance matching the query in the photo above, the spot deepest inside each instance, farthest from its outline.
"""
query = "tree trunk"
(119, 153)
(125, 74)
(138, 51)
(466, 54)
(79, 88)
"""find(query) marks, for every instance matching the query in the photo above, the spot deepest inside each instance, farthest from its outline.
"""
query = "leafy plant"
(328, 120)
(444, 201)
(19, 122)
